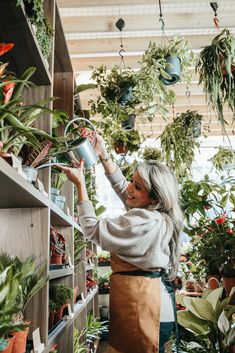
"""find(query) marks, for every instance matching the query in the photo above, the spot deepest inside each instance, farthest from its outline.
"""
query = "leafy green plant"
(178, 142)
(80, 243)
(9, 290)
(78, 336)
(155, 58)
(215, 68)
(151, 153)
(223, 156)
(131, 139)
(58, 179)
(94, 328)
(126, 92)
(31, 276)
(44, 33)
(213, 245)
(60, 294)
(209, 319)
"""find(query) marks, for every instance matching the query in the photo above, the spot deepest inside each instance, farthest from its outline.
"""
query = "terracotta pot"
(19, 344)
(56, 259)
(6, 157)
(229, 283)
(189, 286)
(10, 341)
(213, 281)
(121, 149)
(60, 313)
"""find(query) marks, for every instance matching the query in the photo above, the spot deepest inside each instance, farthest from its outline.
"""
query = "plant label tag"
(16, 162)
(70, 313)
(68, 212)
(38, 347)
(70, 262)
(83, 298)
(40, 187)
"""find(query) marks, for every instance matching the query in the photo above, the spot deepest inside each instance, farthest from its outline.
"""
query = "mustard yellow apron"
(134, 311)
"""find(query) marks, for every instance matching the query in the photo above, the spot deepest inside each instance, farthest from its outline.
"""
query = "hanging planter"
(169, 62)
(172, 69)
(129, 123)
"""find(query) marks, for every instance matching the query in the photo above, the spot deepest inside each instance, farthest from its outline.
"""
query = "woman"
(144, 244)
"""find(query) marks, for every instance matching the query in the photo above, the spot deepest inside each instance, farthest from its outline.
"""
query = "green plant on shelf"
(60, 294)
(44, 32)
(9, 289)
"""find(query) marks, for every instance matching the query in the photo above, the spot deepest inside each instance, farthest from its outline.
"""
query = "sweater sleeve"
(129, 234)
(119, 184)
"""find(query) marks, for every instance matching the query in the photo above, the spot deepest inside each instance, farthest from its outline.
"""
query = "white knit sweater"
(139, 236)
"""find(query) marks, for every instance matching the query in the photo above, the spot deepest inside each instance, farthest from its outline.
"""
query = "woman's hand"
(74, 173)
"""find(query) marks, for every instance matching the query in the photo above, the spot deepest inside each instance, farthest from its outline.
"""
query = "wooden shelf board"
(15, 28)
(91, 295)
(16, 192)
(58, 217)
(61, 273)
(59, 330)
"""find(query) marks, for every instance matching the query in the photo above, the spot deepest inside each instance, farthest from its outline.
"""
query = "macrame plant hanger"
(215, 6)
(120, 24)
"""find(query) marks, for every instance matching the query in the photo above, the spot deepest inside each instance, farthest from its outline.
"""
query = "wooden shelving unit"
(26, 213)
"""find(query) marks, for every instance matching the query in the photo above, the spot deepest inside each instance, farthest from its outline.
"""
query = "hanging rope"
(215, 6)
(120, 24)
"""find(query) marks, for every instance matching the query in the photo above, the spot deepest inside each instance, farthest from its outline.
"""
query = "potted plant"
(151, 153)
(224, 159)
(44, 33)
(178, 142)
(58, 180)
(209, 320)
(104, 283)
(57, 247)
(213, 245)
(169, 61)
(129, 92)
(124, 141)
(9, 288)
(61, 295)
(215, 67)
(32, 278)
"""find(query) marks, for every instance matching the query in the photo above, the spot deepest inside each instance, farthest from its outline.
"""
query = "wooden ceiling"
(93, 39)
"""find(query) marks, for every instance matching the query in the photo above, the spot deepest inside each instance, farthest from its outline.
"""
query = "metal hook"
(162, 25)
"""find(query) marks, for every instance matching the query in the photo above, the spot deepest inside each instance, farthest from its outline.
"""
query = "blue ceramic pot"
(173, 69)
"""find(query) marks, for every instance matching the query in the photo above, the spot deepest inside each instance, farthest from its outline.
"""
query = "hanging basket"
(173, 69)
(129, 124)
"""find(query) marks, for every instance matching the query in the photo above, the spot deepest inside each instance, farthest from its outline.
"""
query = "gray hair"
(162, 185)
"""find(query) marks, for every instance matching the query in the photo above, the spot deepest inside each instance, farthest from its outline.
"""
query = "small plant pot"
(121, 149)
(51, 320)
(229, 283)
(104, 312)
(173, 69)
(19, 343)
(199, 286)
(197, 130)
(60, 313)
(60, 201)
(129, 123)
(213, 282)
(54, 193)
(56, 259)
(31, 173)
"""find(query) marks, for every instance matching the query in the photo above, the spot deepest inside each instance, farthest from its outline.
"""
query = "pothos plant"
(128, 91)
(215, 66)
(178, 142)
(155, 58)
(223, 156)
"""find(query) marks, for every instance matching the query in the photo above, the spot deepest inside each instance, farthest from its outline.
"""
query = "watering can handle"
(78, 119)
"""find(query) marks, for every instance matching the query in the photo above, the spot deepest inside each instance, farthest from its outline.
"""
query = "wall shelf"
(61, 273)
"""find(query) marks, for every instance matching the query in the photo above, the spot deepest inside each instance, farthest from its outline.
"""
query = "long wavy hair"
(162, 185)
